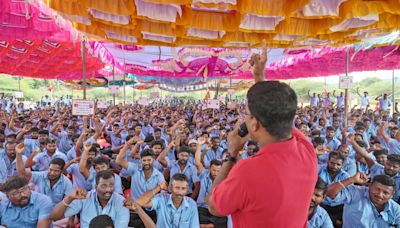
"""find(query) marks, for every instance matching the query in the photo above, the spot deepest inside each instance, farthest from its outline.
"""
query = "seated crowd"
(135, 166)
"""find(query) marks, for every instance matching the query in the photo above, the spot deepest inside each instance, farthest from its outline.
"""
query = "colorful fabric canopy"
(46, 59)
(231, 23)
(104, 81)
(36, 44)
(188, 66)
(22, 20)
(177, 63)
(332, 61)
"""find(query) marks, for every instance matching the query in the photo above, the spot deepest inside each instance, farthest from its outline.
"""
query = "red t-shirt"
(272, 188)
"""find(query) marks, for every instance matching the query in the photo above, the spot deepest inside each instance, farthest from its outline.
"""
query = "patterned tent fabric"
(231, 23)
(332, 61)
(103, 81)
(36, 43)
(22, 20)
(190, 65)
(45, 59)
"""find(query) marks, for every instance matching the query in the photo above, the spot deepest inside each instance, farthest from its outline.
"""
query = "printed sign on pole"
(231, 91)
(102, 104)
(19, 94)
(82, 107)
(346, 82)
(143, 101)
(213, 104)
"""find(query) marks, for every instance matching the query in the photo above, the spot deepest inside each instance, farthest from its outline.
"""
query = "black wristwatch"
(230, 158)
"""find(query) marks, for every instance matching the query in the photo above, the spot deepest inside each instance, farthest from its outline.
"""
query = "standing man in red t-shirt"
(273, 188)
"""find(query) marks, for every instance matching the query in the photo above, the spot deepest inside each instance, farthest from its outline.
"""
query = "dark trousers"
(135, 221)
(206, 217)
(335, 213)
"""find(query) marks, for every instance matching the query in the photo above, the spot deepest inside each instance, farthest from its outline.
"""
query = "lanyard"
(173, 217)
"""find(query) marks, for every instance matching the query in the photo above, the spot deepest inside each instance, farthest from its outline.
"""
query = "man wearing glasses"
(22, 207)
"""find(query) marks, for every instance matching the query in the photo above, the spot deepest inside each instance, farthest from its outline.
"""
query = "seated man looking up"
(317, 216)
(367, 207)
(22, 207)
(102, 200)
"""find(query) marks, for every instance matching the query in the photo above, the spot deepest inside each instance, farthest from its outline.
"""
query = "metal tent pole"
(83, 50)
(346, 91)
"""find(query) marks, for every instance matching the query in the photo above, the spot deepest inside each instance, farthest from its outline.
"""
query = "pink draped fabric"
(302, 63)
(21, 20)
(45, 59)
(332, 61)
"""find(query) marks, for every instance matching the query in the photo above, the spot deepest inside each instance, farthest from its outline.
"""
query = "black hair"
(43, 132)
(359, 127)
(128, 137)
(249, 143)
(330, 128)
(11, 135)
(317, 141)
(148, 139)
(215, 162)
(394, 158)
(356, 134)
(336, 155)
(147, 153)
(179, 177)
(58, 161)
(104, 174)
(13, 183)
(214, 137)
(385, 180)
(157, 129)
(101, 160)
(51, 140)
(184, 149)
(94, 148)
(316, 132)
(381, 152)
(321, 185)
(361, 143)
(101, 221)
(34, 129)
(157, 142)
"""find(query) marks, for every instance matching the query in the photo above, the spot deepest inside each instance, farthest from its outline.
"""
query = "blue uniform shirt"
(63, 187)
(190, 171)
(139, 184)
(90, 208)
(38, 208)
(349, 166)
(7, 167)
(323, 173)
(205, 188)
(42, 160)
(186, 216)
(394, 146)
(64, 143)
(359, 211)
(31, 144)
(211, 155)
(320, 219)
(333, 143)
(79, 181)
